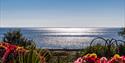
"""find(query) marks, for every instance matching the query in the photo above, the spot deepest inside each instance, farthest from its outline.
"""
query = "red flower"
(9, 49)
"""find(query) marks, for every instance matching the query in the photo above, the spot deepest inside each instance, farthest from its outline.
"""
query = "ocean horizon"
(64, 37)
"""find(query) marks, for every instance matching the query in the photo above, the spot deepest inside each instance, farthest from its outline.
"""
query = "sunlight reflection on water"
(65, 37)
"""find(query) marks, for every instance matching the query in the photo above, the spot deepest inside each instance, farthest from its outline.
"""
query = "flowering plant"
(10, 49)
(92, 58)
(17, 54)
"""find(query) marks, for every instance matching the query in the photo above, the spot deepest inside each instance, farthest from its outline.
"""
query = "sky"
(62, 13)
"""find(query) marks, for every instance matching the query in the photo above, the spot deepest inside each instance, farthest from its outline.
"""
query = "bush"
(100, 50)
(16, 54)
(121, 49)
(15, 37)
(122, 33)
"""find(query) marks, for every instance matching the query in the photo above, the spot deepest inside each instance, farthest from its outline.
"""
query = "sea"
(65, 37)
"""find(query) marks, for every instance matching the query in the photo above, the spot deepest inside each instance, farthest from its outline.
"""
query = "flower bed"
(17, 54)
(93, 58)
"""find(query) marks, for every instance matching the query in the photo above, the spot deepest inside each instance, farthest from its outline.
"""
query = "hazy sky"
(62, 13)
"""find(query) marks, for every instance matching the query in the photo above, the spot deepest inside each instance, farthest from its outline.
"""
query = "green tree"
(122, 32)
(15, 37)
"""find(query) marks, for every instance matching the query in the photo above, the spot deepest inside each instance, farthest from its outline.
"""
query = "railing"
(108, 43)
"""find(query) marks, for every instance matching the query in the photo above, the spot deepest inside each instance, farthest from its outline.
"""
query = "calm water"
(65, 37)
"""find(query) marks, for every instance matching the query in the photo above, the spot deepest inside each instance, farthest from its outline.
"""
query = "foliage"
(62, 56)
(45, 53)
(16, 54)
(122, 32)
(2, 51)
(99, 50)
(121, 49)
(15, 37)
(108, 48)
(30, 57)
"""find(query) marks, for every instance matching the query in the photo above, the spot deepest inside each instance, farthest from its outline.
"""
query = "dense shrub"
(121, 49)
(122, 33)
(99, 50)
(15, 37)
